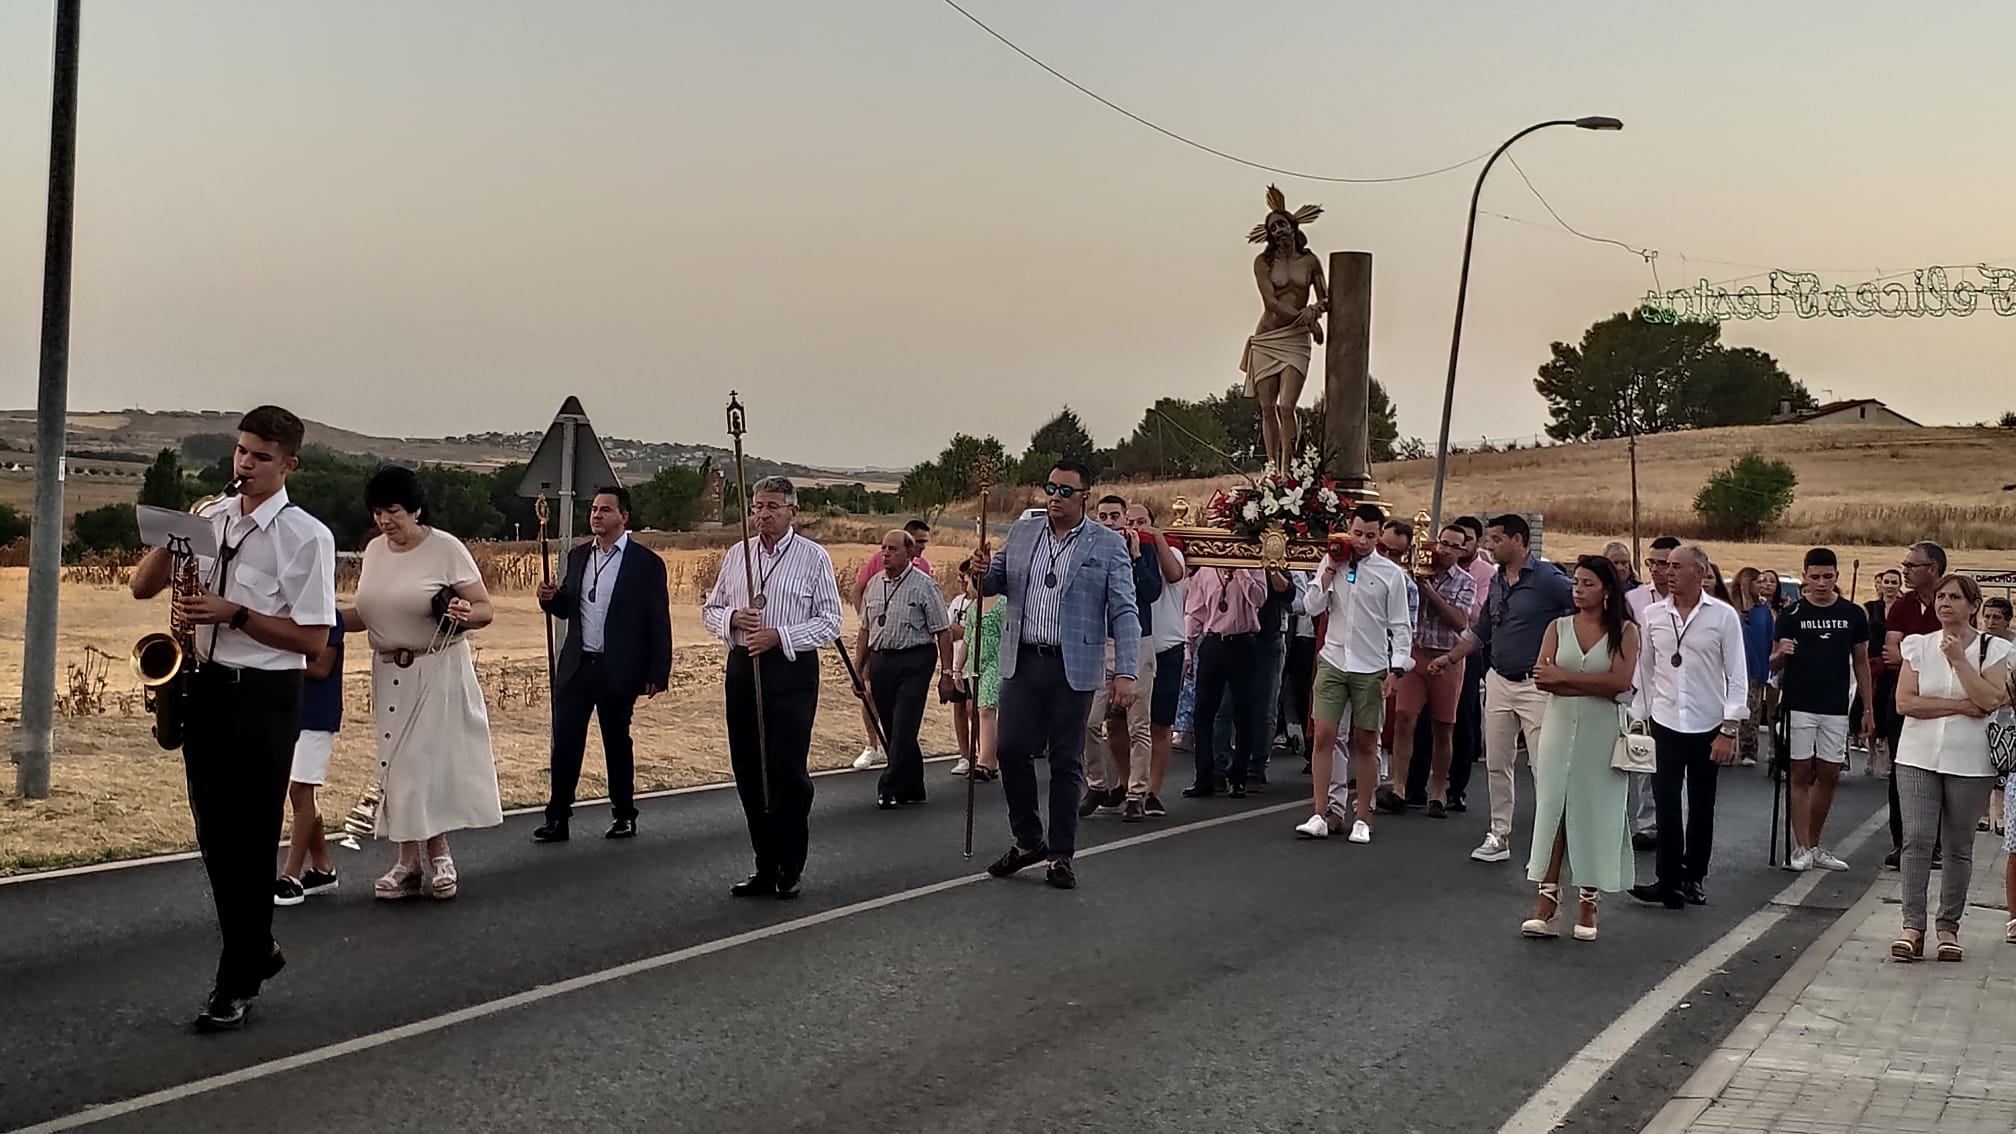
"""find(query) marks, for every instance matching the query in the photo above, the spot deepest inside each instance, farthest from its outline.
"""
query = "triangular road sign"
(546, 475)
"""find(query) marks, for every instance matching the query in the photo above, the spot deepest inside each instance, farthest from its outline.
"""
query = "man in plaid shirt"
(1446, 603)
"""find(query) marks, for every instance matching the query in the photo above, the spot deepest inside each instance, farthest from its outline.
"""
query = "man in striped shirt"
(794, 611)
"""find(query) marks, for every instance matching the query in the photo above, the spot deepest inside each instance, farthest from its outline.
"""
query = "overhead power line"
(1191, 142)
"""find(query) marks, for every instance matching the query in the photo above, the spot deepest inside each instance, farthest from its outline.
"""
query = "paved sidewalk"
(1851, 1041)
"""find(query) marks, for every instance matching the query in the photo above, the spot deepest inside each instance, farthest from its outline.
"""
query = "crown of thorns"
(1276, 203)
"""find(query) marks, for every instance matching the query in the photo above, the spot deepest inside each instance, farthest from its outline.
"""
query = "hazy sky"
(882, 226)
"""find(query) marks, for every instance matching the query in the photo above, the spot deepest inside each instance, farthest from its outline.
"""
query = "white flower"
(1328, 497)
(1294, 506)
(1251, 511)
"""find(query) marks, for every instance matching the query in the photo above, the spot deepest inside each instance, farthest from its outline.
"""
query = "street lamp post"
(1463, 291)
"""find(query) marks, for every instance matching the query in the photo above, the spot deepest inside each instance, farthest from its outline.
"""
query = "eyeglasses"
(1061, 491)
(1650, 562)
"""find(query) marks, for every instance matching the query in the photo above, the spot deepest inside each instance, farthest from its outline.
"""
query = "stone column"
(1347, 373)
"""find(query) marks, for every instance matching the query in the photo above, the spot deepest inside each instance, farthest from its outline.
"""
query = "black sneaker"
(1114, 799)
(1061, 875)
(1437, 809)
(1154, 809)
(1892, 860)
(1390, 801)
(1457, 806)
(287, 892)
(1132, 812)
(1235, 790)
(1016, 859)
(1095, 798)
(315, 881)
(1658, 896)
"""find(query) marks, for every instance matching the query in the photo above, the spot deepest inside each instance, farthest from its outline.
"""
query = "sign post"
(569, 458)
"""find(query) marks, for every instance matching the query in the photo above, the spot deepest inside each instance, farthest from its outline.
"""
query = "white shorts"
(311, 756)
(1817, 736)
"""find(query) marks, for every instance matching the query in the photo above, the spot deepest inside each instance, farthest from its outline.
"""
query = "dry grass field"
(1859, 487)
(116, 794)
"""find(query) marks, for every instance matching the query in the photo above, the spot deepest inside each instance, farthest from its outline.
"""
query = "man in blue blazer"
(619, 644)
(1070, 586)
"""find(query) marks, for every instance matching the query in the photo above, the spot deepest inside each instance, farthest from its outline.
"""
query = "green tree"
(1066, 436)
(926, 489)
(201, 449)
(1665, 375)
(458, 501)
(1176, 438)
(1382, 422)
(113, 527)
(1751, 492)
(2007, 420)
(670, 500)
(13, 525)
(163, 485)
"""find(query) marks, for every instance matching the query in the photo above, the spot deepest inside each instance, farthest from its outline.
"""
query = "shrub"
(1751, 492)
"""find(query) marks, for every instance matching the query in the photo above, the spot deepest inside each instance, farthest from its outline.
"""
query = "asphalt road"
(1211, 973)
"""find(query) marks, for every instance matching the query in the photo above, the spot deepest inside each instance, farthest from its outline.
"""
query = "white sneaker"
(1316, 828)
(1492, 849)
(1361, 832)
(962, 767)
(1800, 861)
(868, 759)
(1825, 860)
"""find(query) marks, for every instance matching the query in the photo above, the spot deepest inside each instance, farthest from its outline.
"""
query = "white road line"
(446, 1020)
(186, 856)
(1552, 1102)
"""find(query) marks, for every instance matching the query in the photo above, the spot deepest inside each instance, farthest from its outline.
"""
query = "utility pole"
(34, 737)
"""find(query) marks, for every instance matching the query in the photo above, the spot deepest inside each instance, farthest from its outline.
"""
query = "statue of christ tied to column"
(1276, 362)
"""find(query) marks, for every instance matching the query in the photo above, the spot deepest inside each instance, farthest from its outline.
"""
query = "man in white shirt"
(1644, 812)
(1694, 687)
(1367, 645)
(1166, 618)
(262, 608)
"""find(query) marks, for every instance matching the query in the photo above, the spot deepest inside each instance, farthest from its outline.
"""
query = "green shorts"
(1356, 697)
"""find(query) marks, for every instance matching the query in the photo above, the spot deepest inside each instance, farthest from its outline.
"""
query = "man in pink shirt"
(920, 532)
(1221, 619)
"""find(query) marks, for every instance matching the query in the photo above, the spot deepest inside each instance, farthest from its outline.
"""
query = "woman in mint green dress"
(1587, 663)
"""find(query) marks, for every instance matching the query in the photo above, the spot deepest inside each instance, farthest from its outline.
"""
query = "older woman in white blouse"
(1951, 681)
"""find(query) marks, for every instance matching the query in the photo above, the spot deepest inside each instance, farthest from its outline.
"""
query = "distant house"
(1857, 411)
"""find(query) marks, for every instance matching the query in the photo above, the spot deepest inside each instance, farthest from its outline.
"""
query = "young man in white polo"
(1822, 640)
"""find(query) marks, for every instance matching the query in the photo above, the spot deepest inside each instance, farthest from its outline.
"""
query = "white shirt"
(1712, 682)
(1640, 599)
(1370, 629)
(956, 611)
(284, 566)
(1043, 606)
(598, 584)
(1166, 613)
(1951, 746)
(802, 598)
(1303, 626)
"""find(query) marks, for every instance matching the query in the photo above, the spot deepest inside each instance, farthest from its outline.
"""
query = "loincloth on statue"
(1269, 353)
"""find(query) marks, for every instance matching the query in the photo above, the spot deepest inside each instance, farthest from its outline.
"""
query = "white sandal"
(1545, 927)
(441, 878)
(402, 881)
(1589, 896)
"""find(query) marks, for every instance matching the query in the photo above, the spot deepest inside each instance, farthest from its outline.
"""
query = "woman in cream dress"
(436, 770)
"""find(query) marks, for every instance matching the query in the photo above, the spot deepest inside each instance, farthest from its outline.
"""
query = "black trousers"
(1225, 661)
(1297, 679)
(790, 701)
(239, 728)
(1039, 710)
(1684, 757)
(1890, 723)
(900, 681)
(587, 692)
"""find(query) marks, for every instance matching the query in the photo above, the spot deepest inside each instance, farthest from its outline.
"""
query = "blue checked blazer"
(1098, 602)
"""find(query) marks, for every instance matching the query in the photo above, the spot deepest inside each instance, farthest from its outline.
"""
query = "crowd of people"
(1087, 641)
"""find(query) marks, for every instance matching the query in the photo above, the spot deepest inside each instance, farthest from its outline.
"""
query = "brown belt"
(404, 659)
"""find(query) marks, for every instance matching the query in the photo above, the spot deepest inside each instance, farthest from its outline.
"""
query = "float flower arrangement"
(1300, 500)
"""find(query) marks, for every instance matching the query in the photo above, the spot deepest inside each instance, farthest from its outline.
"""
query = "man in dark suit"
(619, 644)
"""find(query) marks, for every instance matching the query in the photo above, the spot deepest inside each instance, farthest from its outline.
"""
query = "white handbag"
(1634, 752)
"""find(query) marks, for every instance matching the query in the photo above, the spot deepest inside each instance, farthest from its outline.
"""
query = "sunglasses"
(1061, 491)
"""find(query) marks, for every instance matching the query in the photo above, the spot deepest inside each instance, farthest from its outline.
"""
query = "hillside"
(1858, 485)
(108, 451)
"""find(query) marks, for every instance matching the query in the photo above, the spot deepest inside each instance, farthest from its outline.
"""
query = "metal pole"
(34, 739)
(1631, 423)
(1463, 292)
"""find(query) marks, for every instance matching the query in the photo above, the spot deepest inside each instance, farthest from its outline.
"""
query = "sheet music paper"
(158, 525)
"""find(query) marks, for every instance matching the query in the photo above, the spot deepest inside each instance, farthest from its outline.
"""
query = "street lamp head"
(1599, 122)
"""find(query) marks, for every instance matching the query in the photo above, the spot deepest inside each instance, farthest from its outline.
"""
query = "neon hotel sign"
(1801, 293)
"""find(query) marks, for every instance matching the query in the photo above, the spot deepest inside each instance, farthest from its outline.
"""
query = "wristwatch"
(1396, 671)
(1728, 730)
(239, 619)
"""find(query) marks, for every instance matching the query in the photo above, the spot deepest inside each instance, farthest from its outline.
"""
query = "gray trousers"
(1644, 811)
(1938, 809)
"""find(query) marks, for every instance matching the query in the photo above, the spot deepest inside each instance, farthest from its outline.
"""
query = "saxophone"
(162, 661)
